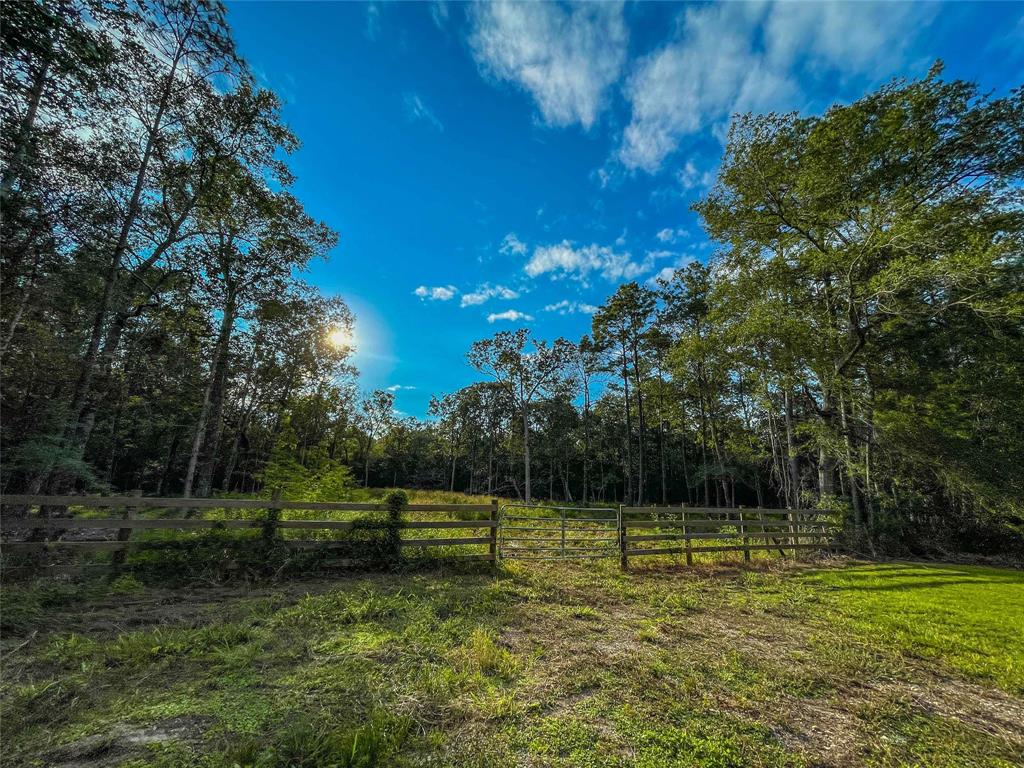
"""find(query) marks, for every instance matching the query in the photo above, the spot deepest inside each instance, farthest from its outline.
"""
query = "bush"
(217, 555)
(397, 501)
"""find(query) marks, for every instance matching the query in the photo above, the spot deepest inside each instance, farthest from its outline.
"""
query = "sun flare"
(339, 338)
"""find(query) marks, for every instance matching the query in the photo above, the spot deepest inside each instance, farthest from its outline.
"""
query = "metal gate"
(528, 532)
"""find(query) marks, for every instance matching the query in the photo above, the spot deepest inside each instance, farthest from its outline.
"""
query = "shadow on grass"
(903, 577)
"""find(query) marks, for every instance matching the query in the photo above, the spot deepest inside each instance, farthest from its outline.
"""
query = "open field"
(781, 664)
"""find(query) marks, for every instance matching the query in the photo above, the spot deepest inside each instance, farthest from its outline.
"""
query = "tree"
(525, 372)
(253, 240)
(585, 365)
(877, 231)
(378, 414)
(619, 327)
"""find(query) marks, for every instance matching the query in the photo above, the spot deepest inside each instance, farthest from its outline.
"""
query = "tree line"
(156, 329)
(856, 341)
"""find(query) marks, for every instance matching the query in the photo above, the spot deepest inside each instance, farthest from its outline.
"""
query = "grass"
(564, 665)
(970, 618)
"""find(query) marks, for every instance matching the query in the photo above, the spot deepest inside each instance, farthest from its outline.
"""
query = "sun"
(339, 338)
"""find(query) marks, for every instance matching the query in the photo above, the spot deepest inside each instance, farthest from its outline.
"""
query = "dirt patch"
(123, 742)
(984, 709)
(821, 730)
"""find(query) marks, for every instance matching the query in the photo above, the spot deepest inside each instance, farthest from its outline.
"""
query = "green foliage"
(126, 584)
(396, 500)
(48, 454)
(330, 481)
(218, 554)
(25, 606)
(305, 745)
(874, 282)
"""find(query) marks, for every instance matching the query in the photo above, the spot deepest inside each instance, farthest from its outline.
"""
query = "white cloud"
(439, 13)
(860, 37)
(416, 110)
(485, 292)
(665, 273)
(512, 245)
(372, 28)
(565, 260)
(621, 239)
(399, 387)
(690, 178)
(669, 235)
(734, 57)
(675, 90)
(565, 57)
(566, 307)
(513, 315)
(437, 293)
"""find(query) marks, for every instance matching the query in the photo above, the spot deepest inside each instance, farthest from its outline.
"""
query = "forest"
(855, 342)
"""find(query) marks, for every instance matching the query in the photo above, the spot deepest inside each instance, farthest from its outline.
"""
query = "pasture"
(771, 663)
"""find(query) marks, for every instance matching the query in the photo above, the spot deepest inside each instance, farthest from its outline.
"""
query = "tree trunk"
(628, 490)
(793, 460)
(526, 449)
(172, 453)
(586, 442)
(90, 362)
(704, 441)
(213, 396)
(490, 461)
(826, 473)
(641, 428)
(215, 424)
(661, 439)
(20, 155)
(855, 500)
(366, 465)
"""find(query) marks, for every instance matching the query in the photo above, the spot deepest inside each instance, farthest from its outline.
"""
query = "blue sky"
(489, 166)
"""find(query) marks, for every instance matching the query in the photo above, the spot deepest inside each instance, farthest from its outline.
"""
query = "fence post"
(273, 515)
(493, 545)
(792, 531)
(623, 560)
(686, 538)
(746, 538)
(563, 533)
(124, 534)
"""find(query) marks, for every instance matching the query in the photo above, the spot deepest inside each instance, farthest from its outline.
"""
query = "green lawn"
(970, 618)
(775, 664)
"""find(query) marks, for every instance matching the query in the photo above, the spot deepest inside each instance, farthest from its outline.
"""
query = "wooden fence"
(637, 531)
(724, 530)
(48, 530)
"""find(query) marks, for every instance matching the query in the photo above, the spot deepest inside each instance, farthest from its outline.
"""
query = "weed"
(306, 745)
(126, 584)
(487, 656)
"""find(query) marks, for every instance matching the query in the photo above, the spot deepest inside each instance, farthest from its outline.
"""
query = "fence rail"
(626, 531)
(153, 502)
(724, 530)
(48, 525)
